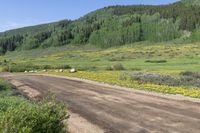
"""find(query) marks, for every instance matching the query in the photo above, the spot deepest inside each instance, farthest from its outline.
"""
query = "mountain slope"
(191, 2)
(110, 26)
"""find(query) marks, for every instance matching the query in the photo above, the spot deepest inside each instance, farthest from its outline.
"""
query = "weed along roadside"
(68, 121)
(167, 85)
(17, 113)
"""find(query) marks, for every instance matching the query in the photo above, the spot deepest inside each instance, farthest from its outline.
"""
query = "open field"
(182, 57)
(118, 65)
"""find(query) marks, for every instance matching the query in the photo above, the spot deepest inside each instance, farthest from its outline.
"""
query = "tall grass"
(21, 67)
(19, 115)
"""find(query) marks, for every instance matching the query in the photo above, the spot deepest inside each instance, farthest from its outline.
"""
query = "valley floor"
(165, 68)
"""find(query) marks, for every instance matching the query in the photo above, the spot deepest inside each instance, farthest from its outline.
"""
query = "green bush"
(6, 89)
(191, 74)
(4, 85)
(20, 115)
(62, 67)
(188, 79)
(155, 79)
(156, 61)
(116, 67)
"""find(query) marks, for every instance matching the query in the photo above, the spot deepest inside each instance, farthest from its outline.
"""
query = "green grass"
(143, 57)
(18, 114)
(178, 58)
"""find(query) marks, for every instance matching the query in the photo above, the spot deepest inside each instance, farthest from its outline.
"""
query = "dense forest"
(112, 26)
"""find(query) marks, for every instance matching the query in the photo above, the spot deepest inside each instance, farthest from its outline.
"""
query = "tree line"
(110, 26)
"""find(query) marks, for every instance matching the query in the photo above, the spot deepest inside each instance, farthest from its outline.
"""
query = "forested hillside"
(112, 26)
(191, 2)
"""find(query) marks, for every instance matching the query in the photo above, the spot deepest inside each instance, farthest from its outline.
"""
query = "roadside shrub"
(190, 78)
(4, 85)
(20, 115)
(155, 78)
(116, 67)
(191, 74)
(189, 81)
(156, 61)
(145, 78)
(62, 67)
(7, 89)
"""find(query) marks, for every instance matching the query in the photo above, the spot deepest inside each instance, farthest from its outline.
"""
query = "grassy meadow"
(124, 66)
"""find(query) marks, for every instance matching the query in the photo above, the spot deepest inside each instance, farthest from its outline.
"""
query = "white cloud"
(7, 25)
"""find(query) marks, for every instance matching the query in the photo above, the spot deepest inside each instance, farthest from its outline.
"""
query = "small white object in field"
(25, 71)
(44, 70)
(31, 71)
(61, 70)
(35, 71)
(73, 70)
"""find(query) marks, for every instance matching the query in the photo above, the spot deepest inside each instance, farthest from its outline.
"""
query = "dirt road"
(117, 110)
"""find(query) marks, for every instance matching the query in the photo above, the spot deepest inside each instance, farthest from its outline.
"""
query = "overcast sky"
(20, 13)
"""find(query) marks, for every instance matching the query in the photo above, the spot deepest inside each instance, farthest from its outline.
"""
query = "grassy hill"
(111, 26)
